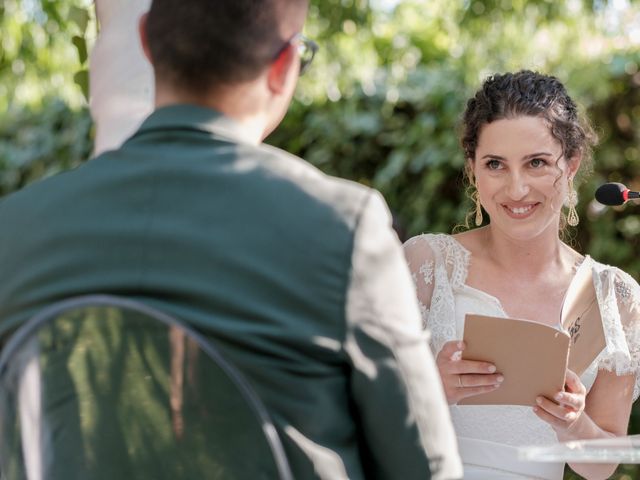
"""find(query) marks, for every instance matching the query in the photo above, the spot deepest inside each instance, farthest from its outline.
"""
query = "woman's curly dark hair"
(528, 93)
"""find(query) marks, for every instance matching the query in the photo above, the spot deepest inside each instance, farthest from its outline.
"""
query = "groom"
(297, 276)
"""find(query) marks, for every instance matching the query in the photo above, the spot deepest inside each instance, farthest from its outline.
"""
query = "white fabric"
(34, 443)
(488, 435)
(120, 77)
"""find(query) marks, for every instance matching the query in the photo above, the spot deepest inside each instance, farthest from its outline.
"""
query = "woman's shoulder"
(624, 283)
(438, 245)
(438, 252)
(619, 300)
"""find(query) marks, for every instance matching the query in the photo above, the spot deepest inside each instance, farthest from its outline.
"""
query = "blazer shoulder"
(344, 196)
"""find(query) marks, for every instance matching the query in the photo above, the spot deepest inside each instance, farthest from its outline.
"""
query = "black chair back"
(101, 387)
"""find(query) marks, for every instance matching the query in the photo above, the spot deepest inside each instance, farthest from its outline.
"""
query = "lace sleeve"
(421, 262)
(619, 298)
(437, 263)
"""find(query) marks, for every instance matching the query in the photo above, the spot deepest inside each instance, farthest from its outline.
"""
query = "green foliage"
(35, 143)
(37, 55)
(387, 112)
(44, 124)
(402, 146)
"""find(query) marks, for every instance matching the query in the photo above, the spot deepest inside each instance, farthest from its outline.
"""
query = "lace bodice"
(439, 265)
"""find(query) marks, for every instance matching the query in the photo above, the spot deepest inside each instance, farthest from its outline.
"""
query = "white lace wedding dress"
(488, 436)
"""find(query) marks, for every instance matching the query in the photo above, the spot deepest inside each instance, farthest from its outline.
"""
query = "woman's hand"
(464, 378)
(566, 408)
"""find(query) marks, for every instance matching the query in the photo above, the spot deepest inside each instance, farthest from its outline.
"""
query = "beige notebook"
(533, 356)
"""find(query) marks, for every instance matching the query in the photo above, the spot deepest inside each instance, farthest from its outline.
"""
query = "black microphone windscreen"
(611, 194)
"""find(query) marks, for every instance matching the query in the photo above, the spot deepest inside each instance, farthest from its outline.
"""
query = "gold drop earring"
(572, 201)
(478, 209)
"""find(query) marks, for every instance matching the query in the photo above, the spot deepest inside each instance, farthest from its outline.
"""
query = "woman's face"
(521, 176)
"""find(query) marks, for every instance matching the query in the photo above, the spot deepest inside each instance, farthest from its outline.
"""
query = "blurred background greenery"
(381, 103)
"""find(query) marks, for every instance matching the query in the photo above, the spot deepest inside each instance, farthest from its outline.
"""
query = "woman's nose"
(517, 186)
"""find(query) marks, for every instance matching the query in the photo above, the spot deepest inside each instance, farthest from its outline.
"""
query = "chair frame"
(24, 332)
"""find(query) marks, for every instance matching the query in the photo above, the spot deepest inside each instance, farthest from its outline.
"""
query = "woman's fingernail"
(539, 400)
(558, 396)
(500, 379)
(491, 368)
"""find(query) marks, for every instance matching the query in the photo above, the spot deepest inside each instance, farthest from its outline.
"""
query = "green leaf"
(81, 46)
(79, 16)
(81, 78)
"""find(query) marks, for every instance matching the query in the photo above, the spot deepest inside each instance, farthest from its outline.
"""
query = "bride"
(524, 145)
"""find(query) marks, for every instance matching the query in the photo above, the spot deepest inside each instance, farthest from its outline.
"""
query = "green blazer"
(297, 277)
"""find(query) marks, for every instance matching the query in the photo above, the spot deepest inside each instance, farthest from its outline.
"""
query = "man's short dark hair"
(199, 44)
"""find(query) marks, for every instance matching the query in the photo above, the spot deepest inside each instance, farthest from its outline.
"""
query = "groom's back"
(247, 243)
(297, 277)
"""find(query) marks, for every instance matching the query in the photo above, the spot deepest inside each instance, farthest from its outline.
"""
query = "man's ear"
(280, 69)
(142, 34)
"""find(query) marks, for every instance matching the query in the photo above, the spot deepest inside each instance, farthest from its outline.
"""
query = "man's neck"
(241, 104)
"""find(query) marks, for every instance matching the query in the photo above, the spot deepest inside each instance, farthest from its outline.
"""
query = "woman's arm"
(607, 412)
(604, 413)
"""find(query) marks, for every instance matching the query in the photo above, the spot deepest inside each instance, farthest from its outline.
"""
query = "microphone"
(614, 194)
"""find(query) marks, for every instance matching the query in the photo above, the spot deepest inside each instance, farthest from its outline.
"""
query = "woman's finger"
(470, 380)
(573, 383)
(558, 411)
(549, 418)
(449, 351)
(471, 366)
(464, 378)
(571, 401)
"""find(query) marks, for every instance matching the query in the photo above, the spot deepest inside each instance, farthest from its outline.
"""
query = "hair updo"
(528, 93)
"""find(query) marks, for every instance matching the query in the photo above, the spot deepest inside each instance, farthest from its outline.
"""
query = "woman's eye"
(537, 163)
(493, 164)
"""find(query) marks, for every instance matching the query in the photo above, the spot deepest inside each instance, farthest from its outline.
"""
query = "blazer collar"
(194, 117)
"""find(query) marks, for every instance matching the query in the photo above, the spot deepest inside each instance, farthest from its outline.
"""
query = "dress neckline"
(468, 255)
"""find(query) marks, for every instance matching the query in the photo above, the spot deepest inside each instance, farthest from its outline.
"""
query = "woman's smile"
(520, 211)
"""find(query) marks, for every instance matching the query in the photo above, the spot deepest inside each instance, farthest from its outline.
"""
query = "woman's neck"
(530, 257)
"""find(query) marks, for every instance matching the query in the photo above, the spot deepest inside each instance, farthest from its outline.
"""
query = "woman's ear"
(574, 165)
